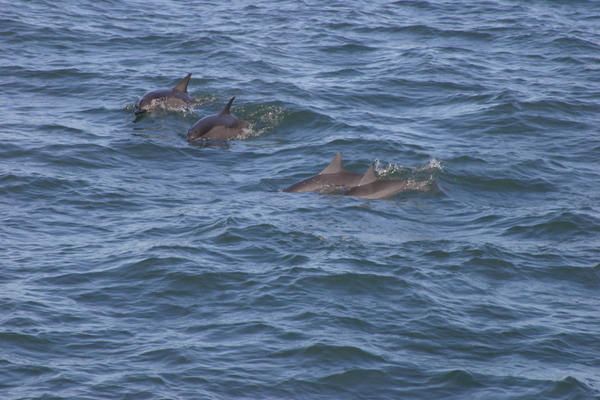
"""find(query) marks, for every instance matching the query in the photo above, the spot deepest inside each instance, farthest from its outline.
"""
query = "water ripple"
(136, 265)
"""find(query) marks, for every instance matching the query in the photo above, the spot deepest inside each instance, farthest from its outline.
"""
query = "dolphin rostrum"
(176, 97)
(218, 126)
(371, 187)
(334, 178)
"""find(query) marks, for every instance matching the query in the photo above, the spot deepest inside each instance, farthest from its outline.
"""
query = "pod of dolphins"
(333, 179)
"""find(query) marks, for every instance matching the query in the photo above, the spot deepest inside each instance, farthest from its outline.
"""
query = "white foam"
(391, 169)
(433, 164)
(419, 179)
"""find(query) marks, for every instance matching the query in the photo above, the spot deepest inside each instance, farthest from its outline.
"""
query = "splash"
(248, 132)
(433, 165)
(399, 171)
(261, 118)
(419, 179)
(186, 109)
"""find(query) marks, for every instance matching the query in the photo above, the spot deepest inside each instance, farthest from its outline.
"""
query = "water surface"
(138, 266)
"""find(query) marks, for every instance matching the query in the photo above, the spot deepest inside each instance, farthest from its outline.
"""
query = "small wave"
(566, 225)
(262, 118)
(398, 170)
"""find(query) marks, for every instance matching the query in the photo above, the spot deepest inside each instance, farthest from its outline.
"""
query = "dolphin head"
(144, 104)
(178, 95)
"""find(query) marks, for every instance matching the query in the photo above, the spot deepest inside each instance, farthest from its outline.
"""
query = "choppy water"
(137, 266)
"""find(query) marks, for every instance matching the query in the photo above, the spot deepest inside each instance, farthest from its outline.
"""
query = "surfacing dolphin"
(172, 98)
(371, 187)
(218, 126)
(334, 178)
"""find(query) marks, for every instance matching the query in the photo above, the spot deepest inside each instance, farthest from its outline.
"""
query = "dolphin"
(176, 97)
(218, 126)
(371, 187)
(334, 178)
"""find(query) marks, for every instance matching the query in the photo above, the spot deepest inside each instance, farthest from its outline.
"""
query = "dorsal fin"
(182, 86)
(227, 107)
(368, 177)
(335, 166)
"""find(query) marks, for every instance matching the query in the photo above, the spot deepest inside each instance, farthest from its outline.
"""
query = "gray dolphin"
(334, 178)
(218, 126)
(371, 187)
(176, 97)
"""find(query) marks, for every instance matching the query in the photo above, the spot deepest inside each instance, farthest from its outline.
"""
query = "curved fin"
(182, 86)
(368, 177)
(227, 107)
(335, 166)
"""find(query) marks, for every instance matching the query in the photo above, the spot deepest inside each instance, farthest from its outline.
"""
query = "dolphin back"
(373, 188)
(219, 126)
(334, 178)
(182, 86)
(227, 109)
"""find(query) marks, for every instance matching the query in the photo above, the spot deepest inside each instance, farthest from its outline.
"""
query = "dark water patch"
(328, 356)
(563, 226)
(353, 284)
(489, 261)
(348, 48)
(39, 187)
(29, 343)
(568, 388)
(354, 383)
(493, 268)
(305, 122)
(519, 189)
(16, 372)
(78, 156)
(586, 276)
(453, 382)
(170, 358)
(574, 43)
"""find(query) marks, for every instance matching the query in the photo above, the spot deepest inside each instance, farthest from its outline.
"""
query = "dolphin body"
(334, 178)
(371, 187)
(218, 126)
(176, 97)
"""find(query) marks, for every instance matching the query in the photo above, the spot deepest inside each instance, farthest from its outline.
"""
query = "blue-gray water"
(137, 266)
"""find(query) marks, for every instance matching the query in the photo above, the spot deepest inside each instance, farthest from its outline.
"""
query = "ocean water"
(134, 265)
